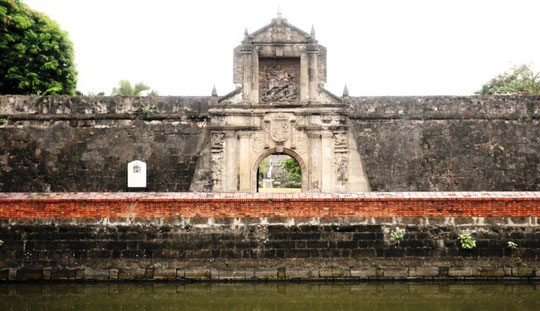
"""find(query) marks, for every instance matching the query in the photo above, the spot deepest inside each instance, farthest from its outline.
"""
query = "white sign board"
(136, 174)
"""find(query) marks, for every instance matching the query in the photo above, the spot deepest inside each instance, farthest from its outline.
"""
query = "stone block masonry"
(443, 143)
(448, 143)
(205, 236)
(65, 143)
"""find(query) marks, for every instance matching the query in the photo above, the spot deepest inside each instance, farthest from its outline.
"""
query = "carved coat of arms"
(280, 127)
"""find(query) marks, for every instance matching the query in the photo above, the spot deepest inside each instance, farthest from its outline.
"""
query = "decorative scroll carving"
(341, 162)
(257, 142)
(340, 142)
(280, 127)
(216, 160)
(279, 80)
(341, 157)
(326, 120)
(217, 166)
(279, 33)
(217, 140)
(301, 142)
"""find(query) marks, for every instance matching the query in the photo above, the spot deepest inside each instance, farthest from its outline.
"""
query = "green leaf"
(521, 80)
(32, 48)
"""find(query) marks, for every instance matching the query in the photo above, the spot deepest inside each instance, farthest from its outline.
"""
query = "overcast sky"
(378, 47)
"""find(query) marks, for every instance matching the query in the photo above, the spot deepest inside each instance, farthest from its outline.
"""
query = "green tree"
(36, 56)
(291, 166)
(521, 80)
(294, 177)
(125, 89)
(263, 167)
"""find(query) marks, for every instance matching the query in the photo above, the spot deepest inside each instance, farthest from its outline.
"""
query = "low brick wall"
(184, 236)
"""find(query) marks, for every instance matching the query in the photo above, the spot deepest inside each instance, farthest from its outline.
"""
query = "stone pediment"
(325, 97)
(279, 39)
(279, 31)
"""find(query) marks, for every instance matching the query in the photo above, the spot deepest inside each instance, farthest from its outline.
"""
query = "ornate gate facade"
(280, 106)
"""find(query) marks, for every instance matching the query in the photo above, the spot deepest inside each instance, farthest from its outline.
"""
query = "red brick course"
(397, 204)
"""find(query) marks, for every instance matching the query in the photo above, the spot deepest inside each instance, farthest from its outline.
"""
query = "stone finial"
(278, 18)
(246, 33)
(214, 91)
(345, 91)
(313, 32)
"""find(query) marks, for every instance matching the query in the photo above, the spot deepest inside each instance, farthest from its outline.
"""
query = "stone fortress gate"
(281, 107)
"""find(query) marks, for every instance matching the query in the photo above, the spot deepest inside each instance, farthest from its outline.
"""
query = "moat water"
(269, 296)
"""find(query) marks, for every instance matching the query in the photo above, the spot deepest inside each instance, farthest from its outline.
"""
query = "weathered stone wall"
(406, 143)
(85, 143)
(105, 237)
(448, 143)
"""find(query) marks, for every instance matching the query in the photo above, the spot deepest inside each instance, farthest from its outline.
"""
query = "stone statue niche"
(280, 106)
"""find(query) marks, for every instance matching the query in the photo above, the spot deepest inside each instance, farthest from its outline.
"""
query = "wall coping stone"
(208, 196)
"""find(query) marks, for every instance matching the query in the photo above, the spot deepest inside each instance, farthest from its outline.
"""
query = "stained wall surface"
(85, 143)
(184, 236)
(446, 143)
(406, 143)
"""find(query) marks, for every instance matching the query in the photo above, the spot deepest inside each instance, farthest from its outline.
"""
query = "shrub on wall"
(36, 55)
(520, 81)
(397, 236)
(467, 242)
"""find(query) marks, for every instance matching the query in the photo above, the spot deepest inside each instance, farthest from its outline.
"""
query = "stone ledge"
(275, 274)
(165, 196)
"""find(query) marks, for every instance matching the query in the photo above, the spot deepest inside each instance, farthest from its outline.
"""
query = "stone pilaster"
(313, 72)
(327, 162)
(315, 152)
(247, 59)
(244, 150)
(231, 168)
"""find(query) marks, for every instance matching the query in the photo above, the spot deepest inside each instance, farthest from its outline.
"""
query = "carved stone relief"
(217, 140)
(217, 167)
(341, 157)
(216, 160)
(341, 161)
(257, 142)
(301, 142)
(279, 80)
(280, 33)
(340, 142)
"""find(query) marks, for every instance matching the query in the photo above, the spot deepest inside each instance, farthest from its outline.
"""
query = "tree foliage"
(125, 89)
(294, 178)
(263, 167)
(291, 166)
(521, 80)
(36, 56)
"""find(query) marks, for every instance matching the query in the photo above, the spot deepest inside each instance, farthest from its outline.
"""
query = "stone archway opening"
(279, 173)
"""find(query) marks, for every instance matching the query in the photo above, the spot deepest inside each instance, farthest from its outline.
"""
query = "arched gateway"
(281, 106)
(289, 152)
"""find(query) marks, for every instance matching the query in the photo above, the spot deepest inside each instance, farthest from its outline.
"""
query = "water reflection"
(269, 296)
